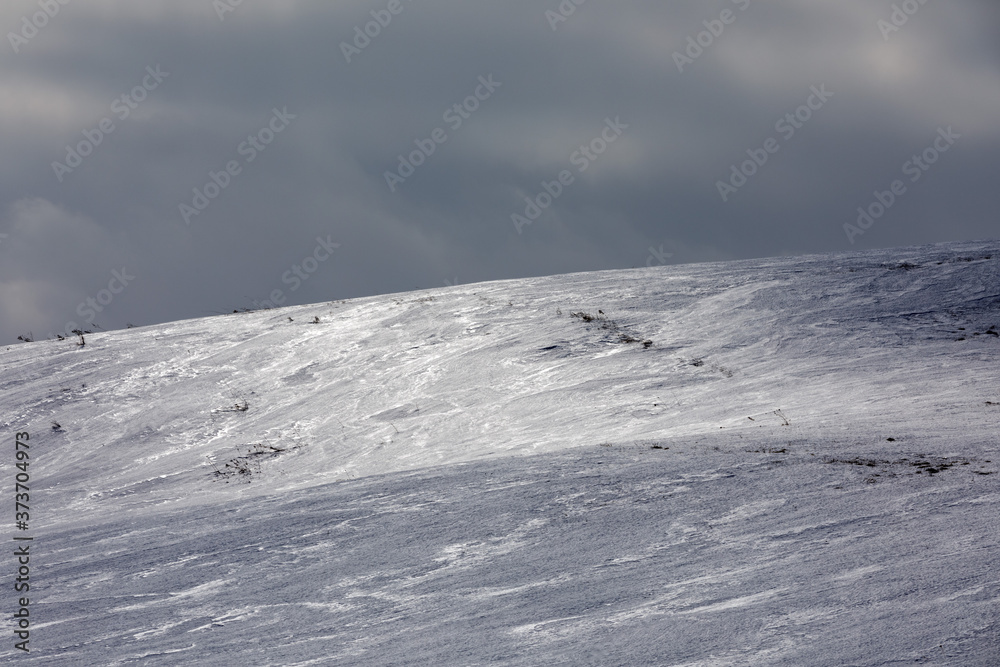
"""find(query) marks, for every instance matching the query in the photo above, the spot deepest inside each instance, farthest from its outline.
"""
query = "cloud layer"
(177, 105)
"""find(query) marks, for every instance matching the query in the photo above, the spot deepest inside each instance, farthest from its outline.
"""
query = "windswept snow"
(774, 462)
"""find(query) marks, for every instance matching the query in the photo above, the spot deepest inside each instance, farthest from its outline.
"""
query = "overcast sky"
(169, 159)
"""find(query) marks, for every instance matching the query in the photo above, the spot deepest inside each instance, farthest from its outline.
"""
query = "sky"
(173, 159)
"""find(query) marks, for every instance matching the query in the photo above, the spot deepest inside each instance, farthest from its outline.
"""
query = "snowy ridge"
(786, 461)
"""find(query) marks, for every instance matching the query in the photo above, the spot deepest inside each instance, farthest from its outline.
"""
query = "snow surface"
(800, 468)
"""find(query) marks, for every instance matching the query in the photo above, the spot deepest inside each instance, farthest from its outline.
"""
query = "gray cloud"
(324, 175)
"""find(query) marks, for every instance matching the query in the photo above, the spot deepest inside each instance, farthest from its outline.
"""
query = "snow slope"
(775, 462)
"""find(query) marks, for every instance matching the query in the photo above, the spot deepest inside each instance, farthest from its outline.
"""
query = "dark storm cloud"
(690, 90)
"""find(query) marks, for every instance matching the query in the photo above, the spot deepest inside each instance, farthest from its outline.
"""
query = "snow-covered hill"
(775, 462)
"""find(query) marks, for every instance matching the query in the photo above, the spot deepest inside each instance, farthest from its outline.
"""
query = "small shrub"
(242, 468)
(240, 403)
(604, 322)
